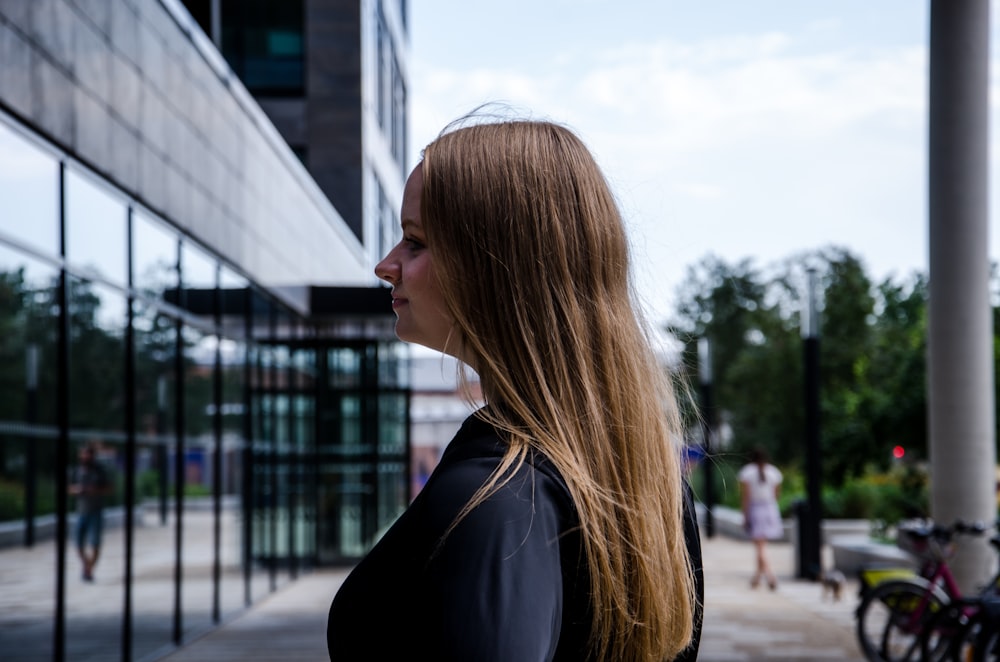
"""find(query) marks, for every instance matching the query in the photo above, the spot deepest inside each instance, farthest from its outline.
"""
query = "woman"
(760, 484)
(556, 525)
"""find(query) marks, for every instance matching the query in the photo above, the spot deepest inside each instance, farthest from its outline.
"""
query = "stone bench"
(851, 553)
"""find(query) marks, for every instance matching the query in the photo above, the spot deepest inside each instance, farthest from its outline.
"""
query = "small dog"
(833, 581)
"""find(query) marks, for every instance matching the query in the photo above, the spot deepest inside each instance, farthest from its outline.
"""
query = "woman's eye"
(413, 243)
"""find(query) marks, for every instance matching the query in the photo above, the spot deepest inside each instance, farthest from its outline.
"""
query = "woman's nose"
(388, 269)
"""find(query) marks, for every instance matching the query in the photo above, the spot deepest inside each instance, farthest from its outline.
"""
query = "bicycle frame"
(938, 586)
(934, 578)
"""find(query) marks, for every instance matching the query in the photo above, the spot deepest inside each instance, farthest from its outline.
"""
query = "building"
(331, 77)
(193, 296)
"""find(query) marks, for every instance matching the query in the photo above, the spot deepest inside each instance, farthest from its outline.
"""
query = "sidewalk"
(792, 624)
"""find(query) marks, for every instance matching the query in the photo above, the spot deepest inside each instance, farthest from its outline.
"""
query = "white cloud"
(747, 146)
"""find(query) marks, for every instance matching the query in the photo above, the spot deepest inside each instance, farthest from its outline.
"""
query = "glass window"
(394, 365)
(303, 438)
(154, 257)
(383, 56)
(29, 189)
(260, 492)
(96, 374)
(235, 303)
(29, 318)
(199, 269)
(201, 12)
(199, 273)
(398, 117)
(156, 436)
(263, 42)
(198, 556)
(233, 354)
(95, 229)
(264, 375)
(199, 279)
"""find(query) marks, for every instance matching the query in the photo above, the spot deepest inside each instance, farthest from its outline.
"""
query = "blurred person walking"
(90, 485)
(760, 485)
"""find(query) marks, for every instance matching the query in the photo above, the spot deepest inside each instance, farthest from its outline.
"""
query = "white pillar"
(960, 337)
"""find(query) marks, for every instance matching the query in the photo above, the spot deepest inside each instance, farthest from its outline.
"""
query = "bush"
(11, 501)
(855, 500)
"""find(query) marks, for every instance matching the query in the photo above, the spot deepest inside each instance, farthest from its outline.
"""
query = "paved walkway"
(793, 623)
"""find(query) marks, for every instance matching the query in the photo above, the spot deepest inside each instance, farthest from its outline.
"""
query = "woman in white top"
(760, 483)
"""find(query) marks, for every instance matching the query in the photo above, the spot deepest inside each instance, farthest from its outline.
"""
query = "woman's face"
(421, 315)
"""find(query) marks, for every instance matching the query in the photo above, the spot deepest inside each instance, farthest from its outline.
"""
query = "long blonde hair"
(531, 253)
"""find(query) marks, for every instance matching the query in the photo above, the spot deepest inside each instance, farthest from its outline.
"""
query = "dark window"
(201, 11)
(263, 41)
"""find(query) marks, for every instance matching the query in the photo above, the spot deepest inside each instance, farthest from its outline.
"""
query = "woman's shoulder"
(473, 458)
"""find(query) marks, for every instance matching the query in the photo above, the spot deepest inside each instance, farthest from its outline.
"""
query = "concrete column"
(960, 340)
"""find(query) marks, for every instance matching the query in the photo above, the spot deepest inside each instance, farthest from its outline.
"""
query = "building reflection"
(178, 292)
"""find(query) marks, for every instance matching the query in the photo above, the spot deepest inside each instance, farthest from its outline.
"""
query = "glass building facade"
(245, 443)
(150, 225)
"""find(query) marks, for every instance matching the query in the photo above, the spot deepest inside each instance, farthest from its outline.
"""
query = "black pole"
(810, 534)
(217, 457)
(180, 449)
(705, 376)
(249, 506)
(811, 557)
(62, 440)
(130, 463)
(31, 451)
(162, 460)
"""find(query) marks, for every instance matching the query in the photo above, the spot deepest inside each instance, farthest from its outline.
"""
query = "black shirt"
(508, 583)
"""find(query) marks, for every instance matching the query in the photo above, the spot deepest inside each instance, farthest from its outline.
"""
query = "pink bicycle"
(920, 615)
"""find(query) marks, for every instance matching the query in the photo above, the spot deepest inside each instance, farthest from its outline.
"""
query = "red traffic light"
(898, 452)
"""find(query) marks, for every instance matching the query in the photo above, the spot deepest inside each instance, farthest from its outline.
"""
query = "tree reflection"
(97, 322)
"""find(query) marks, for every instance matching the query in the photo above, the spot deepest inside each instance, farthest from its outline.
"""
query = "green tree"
(897, 369)
(727, 305)
(845, 347)
(872, 366)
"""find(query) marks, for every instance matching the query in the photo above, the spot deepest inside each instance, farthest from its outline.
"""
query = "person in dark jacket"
(557, 525)
(90, 485)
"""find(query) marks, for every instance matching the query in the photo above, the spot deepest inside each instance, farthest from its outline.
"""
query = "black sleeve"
(495, 582)
(692, 538)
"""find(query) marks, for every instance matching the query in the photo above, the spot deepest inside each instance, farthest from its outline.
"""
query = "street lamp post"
(810, 525)
(705, 377)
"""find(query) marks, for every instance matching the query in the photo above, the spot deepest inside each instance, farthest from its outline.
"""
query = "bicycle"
(964, 631)
(968, 628)
(898, 605)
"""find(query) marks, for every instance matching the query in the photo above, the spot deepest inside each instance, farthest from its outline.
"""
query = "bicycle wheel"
(988, 646)
(949, 635)
(891, 618)
(987, 642)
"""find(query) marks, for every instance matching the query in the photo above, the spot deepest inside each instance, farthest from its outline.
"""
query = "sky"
(741, 129)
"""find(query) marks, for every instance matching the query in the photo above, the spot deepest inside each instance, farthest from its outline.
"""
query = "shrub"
(11, 500)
